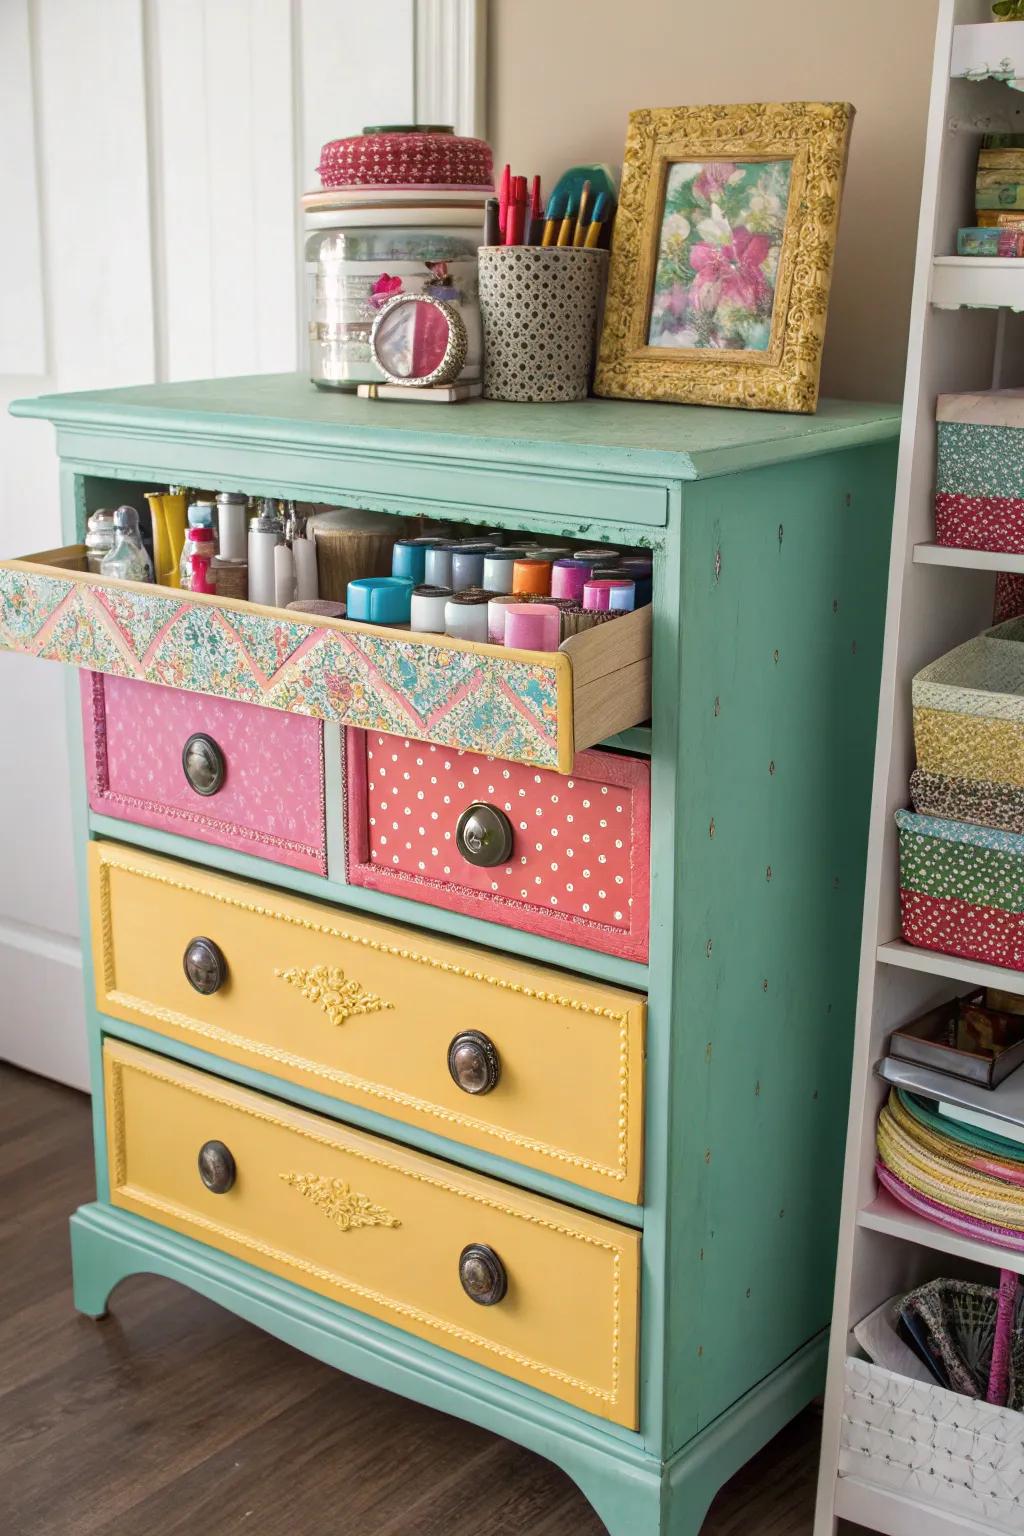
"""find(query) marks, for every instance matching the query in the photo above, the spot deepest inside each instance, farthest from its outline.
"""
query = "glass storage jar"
(357, 258)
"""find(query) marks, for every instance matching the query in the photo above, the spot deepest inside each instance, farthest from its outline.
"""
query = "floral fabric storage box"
(979, 481)
(962, 889)
(969, 731)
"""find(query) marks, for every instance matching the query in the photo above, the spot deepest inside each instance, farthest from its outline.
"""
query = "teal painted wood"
(626, 973)
(635, 1493)
(783, 600)
(379, 1124)
(721, 1371)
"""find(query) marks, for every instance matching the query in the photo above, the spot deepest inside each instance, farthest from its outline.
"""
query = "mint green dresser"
(571, 1176)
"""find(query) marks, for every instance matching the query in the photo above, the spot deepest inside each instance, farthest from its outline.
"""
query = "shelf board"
(968, 559)
(885, 1214)
(900, 1514)
(989, 50)
(975, 972)
(977, 282)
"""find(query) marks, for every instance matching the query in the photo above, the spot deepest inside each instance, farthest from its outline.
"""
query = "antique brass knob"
(473, 1062)
(203, 764)
(484, 835)
(216, 1167)
(482, 1274)
(204, 964)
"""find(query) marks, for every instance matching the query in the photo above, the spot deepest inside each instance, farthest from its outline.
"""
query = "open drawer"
(535, 707)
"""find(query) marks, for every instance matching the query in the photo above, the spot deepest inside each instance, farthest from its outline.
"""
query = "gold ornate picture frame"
(722, 256)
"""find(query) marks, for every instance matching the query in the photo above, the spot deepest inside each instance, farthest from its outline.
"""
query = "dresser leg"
(97, 1266)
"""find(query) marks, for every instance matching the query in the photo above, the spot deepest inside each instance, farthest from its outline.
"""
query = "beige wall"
(564, 74)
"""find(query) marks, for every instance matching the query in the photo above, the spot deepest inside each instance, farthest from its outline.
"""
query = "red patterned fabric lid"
(406, 156)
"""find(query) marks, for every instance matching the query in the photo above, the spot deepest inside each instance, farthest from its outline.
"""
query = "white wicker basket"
(958, 1455)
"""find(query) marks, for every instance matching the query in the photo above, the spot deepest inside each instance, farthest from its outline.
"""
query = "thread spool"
(567, 578)
(497, 607)
(426, 609)
(230, 577)
(379, 599)
(351, 544)
(533, 627)
(465, 616)
(532, 576)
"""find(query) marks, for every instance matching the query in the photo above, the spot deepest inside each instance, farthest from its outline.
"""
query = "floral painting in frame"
(722, 256)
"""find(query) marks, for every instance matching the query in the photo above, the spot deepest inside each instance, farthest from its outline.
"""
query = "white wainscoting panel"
(154, 153)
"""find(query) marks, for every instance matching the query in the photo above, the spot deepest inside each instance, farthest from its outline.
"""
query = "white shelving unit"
(964, 335)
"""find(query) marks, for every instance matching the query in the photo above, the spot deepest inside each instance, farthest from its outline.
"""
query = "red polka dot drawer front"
(565, 857)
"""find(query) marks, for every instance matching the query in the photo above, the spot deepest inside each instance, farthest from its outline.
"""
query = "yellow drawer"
(368, 1010)
(380, 1228)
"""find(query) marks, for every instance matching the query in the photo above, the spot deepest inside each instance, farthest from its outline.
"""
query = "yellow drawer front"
(367, 1010)
(381, 1229)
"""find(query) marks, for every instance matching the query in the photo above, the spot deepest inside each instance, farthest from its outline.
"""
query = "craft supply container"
(969, 731)
(539, 307)
(979, 479)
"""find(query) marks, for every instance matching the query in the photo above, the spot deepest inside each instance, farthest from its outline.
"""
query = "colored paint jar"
(498, 570)
(609, 594)
(533, 627)
(408, 558)
(465, 616)
(426, 609)
(497, 607)
(532, 576)
(380, 599)
(467, 567)
(567, 578)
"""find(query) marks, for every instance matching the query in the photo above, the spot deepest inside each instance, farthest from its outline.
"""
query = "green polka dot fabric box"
(979, 481)
(962, 889)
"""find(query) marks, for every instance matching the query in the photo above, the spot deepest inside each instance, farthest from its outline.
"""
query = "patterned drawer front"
(573, 854)
(367, 1011)
(270, 801)
(379, 1228)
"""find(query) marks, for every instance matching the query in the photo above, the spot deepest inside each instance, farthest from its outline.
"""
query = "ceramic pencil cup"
(539, 308)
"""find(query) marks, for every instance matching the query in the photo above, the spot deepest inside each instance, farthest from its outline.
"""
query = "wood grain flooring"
(174, 1417)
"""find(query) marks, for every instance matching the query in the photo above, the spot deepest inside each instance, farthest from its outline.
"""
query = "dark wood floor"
(174, 1417)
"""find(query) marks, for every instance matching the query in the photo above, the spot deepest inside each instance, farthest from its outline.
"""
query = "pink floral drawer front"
(565, 857)
(262, 770)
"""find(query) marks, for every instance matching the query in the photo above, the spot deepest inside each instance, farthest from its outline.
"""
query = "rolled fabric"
(532, 576)
(533, 627)
(426, 609)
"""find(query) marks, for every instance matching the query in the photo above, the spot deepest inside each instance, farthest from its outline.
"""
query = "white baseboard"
(42, 1012)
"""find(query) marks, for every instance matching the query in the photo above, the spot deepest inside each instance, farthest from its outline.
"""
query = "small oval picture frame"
(418, 341)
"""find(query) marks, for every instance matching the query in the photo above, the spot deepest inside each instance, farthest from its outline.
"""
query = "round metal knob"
(216, 1167)
(205, 966)
(473, 1062)
(203, 764)
(484, 835)
(482, 1274)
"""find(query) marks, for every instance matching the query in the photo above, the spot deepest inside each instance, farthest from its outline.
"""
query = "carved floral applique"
(335, 995)
(339, 1202)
